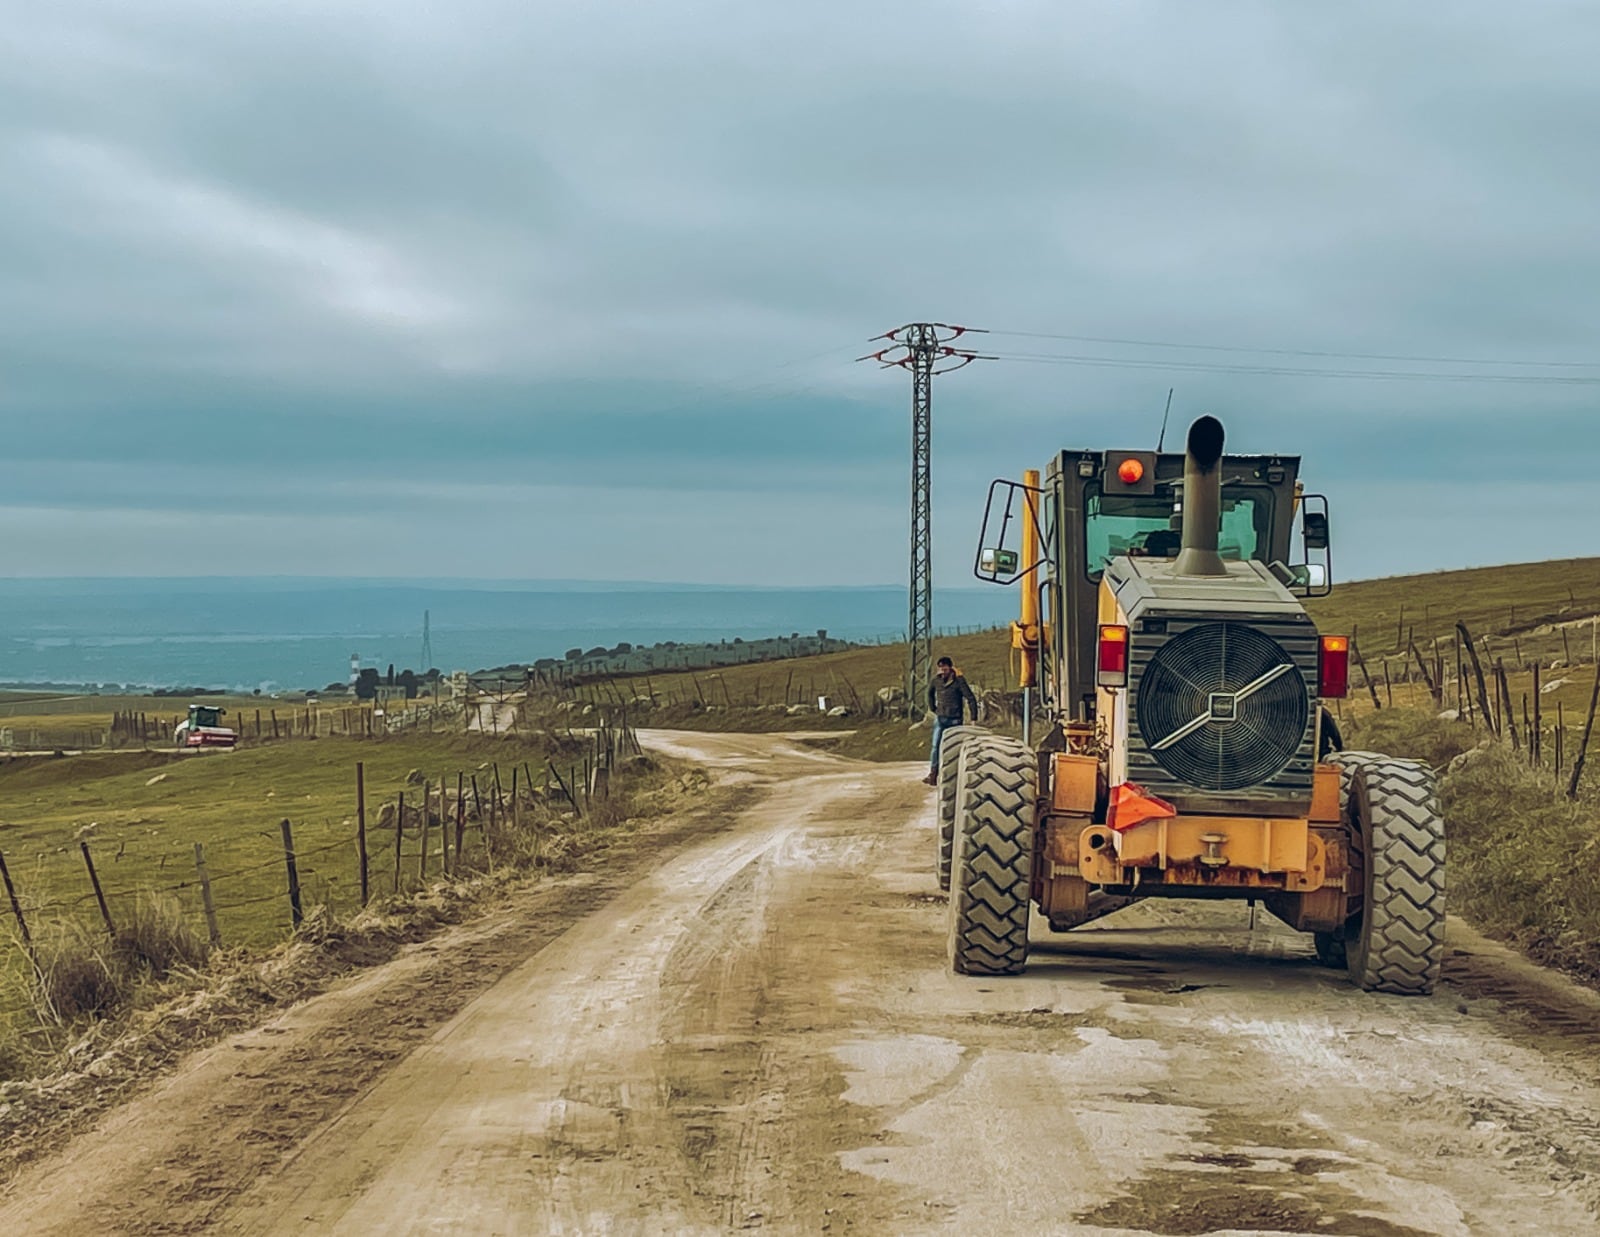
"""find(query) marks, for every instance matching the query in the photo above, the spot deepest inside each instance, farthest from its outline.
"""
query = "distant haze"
(575, 290)
(300, 633)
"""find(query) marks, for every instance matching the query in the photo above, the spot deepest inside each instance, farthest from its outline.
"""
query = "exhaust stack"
(1202, 502)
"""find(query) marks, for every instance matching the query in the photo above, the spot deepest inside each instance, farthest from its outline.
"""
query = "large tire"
(1399, 945)
(993, 861)
(950, 745)
(1348, 763)
(1331, 946)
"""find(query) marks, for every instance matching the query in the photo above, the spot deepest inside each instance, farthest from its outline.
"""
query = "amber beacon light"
(1131, 471)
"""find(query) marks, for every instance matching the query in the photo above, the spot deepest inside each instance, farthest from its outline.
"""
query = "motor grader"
(1176, 681)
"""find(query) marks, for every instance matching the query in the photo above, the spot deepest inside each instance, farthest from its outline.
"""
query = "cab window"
(1141, 525)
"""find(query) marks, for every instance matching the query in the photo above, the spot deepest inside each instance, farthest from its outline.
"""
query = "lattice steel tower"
(922, 348)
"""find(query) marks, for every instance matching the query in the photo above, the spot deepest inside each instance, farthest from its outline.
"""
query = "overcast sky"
(574, 289)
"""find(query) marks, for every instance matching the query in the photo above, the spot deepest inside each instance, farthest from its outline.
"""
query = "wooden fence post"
(361, 829)
(399, 837)
(461, 818)
(99, 895)
(1583, 747)
(1538, 719)
(1434, 690)
(1477, 673)
(422, 861)
(1504, 706)
(444, 829)
(16, 909)
(295, 912)
(212, 931)
(1360, 661)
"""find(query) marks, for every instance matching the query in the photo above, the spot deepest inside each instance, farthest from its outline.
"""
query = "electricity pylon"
(925, 349)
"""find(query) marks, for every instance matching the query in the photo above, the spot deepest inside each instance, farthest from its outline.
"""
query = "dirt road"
(760, 1034)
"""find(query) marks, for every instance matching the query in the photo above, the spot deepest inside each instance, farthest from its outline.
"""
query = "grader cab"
(1176, 679)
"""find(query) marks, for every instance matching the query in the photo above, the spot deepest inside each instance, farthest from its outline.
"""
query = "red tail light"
(1333, 668)
(1113, 659)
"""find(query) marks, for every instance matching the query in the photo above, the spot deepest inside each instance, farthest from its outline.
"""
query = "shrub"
(14, 1058)
(158, 939)
(78, 976)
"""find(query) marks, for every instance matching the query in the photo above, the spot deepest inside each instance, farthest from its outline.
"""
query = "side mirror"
(1309, 575)
(993, 561)
(1315, 526)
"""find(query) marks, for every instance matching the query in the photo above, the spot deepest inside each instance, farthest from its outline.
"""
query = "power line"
(1303, 352)
(1378, 375)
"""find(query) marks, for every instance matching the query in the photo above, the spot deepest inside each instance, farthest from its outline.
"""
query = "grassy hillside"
(1519, 616)
(1507, 602)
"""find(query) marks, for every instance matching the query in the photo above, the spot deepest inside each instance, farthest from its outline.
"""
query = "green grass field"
(41, 721)
(142, 812)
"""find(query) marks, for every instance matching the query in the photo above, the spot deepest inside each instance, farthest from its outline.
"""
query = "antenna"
(1161, 442)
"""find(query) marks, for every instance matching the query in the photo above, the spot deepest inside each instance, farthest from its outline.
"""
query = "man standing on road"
(949, 697)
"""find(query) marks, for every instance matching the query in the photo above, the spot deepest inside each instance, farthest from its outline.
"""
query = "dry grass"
(158, 939)
(79, 976)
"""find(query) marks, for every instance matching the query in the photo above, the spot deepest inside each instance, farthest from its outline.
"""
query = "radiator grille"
(1251, 681)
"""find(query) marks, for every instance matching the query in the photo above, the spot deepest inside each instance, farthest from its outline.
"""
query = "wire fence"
(254, 887)
(1500, 683)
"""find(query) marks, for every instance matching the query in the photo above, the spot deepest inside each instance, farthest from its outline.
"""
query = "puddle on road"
(1242, 1174)
(889, 1073)
(974, 1136)
(1184, 1204)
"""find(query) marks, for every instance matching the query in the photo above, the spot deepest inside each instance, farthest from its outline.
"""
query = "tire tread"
(992, 857)
(1401, 944)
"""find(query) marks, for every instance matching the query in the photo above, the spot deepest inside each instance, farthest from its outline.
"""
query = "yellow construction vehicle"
(1169, 664)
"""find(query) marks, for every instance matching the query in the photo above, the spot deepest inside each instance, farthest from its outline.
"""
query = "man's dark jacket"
(945, 699)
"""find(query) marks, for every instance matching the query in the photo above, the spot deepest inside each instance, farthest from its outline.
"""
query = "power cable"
(1051, 358)
(1303, 352)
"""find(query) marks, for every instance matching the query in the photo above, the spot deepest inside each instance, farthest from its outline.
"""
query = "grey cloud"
(312, 245)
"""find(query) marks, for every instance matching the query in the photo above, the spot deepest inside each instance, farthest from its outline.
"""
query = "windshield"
(1141, 525)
